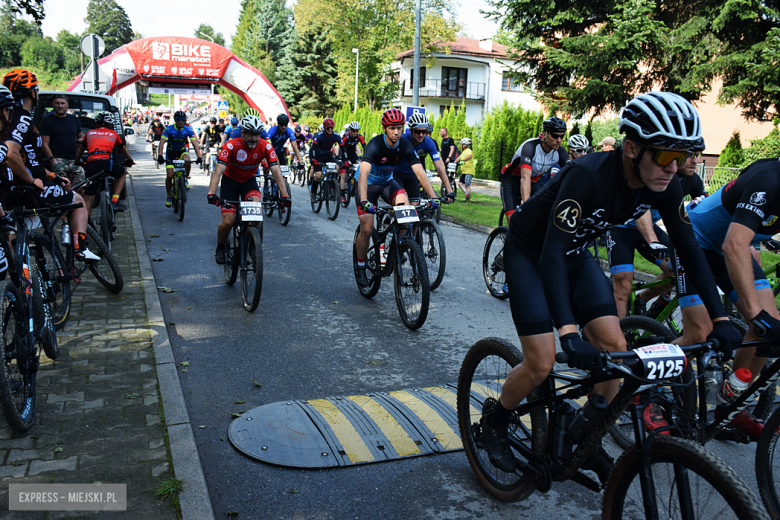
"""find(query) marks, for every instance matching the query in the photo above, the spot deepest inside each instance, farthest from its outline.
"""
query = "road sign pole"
(95, 67)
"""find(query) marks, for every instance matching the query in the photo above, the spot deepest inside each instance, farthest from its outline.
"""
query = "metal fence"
(715, 177)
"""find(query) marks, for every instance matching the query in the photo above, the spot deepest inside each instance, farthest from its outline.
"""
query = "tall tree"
(207, 29)
(318, 75)
(14, 32)
(109, 20)
(288, 78)
(580, 55)
(33, 8)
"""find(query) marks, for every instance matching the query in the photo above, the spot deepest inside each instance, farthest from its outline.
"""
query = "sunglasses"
(420, 132)
(556, 136)
(665, 157)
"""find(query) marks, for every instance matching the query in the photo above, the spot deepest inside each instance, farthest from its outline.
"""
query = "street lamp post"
(211, 99)
(357, 63)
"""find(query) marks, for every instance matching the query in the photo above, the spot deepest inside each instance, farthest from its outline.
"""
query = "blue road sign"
(412, 110)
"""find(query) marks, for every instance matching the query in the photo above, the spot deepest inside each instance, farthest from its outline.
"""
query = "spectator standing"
(59, 133)
(607, 144)
(449, 152)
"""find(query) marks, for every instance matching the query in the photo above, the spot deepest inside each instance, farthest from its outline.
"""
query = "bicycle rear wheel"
(182, 197)
(106, 218)
(493, 263)
(17, 385)
(106, 270)
(268, 209)
(230, 267)
(689, 482)
(55, 266)
(284, 213)
(316, 204)
(431, 243)
(373, 265)
(175, 193)
(410, 277)
(252, 270)
(348, 187)
(332, 200)
(485, 367)
(768, 465)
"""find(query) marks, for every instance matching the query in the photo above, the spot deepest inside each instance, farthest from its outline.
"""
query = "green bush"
(768, 147)
(732, 155)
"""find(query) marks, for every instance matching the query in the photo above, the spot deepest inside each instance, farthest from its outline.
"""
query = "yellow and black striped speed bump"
(349, 430)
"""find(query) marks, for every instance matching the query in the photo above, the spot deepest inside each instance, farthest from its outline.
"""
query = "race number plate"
(178, 163)
(662, 361)
(285, 170)
(451, 167)
(252, 211)
(405, 214)
(332, 166)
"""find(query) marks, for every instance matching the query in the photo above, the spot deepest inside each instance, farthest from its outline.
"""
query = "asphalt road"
(314, 336)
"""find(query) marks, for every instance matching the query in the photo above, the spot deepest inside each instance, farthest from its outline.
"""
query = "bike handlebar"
(714, 344)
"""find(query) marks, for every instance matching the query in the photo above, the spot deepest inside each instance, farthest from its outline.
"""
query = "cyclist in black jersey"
(551, 231)
(210, 137)
(349, 153)
(534, 162)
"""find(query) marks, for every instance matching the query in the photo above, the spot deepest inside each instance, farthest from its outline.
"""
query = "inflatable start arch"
(175, 60)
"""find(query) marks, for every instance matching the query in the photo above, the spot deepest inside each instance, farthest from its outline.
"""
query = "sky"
(161, 18)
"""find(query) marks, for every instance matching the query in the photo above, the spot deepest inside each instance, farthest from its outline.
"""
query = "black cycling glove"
(728, 337)
(160, 159)
(212, 199)
(766, 326)
(199, 160)
(772, 245)
(581, 354)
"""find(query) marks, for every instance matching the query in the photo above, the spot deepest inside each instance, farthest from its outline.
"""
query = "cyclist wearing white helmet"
(239, 160)
(551, 235)
(417, 134)
(578, 146)
(466, 167)
(349, 153)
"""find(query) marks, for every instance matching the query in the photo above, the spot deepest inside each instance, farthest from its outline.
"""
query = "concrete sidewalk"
(110, 409)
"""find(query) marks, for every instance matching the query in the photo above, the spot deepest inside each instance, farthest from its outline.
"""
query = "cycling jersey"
(691, 185)
(22, 132)
(242, 163)
(585, 199)
(322, 145)
(212, 134)
(384, 160)
(752, 199)
(349, 143)
(301, 140)
(178, 140)
(157, 129)
(100, 143)
(279, 139)
(467, 162)
(427, 146)
(531, 156)
(232, 132)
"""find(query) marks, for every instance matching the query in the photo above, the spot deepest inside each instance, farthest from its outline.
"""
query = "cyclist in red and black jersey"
(154, 134)
(238, 160)
(349, 155)
(324, 148)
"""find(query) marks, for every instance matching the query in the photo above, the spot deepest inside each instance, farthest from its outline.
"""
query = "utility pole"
(416, 79)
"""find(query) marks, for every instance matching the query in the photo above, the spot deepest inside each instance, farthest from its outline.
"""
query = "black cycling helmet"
(297, 129)
(282, 120)
(213, 120)
(554, 124)
(179, 116)
(6, 98)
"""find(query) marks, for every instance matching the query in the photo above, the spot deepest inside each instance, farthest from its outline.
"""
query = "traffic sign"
(222, 109)
(86, 45)
(414, 110)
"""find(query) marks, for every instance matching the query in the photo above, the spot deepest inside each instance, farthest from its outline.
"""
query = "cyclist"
(210, 137)
(349, 155)
(587, 197)
(417, 134)
(177, 136)
(466, 167)
(154, 134)
(23, 160)
(324, 148)
(221, 126)
(578, 146)
(380, 158)
(238, 160)
(279, 136)
(301, 139)
(99, 145)
(232, 131)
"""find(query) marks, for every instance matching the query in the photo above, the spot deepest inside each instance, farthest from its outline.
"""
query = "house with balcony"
(473, 72)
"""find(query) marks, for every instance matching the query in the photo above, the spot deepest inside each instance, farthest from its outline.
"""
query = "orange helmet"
(20, 82)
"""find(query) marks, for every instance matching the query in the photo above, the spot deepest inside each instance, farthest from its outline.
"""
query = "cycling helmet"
(321, 128)
(354, 125)
(251, 112)
(213, 120)
(6, 98)
(221, 120)
(466, 141)
(282, 120)
(297, 129)
(328, 123)
(252, 124)
(105, 119)
(430, 128)
(393, 117)
(554, 124)
(418, 120)
(661, 119)
(305, 128)
(179, 116)
(20, 82)
(698, 146)
(346, 127)
(234, 121)
(578, 143)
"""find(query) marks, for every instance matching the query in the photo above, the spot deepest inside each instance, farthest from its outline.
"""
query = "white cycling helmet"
(354, 125)
(252, 124)
(418, 120)
(346, 127)
(466, 141)
(578, 143)
(661, 119)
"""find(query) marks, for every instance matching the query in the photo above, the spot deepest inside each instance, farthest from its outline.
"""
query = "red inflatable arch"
(186, 61)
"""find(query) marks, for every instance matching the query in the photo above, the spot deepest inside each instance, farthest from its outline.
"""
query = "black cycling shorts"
(510, 193)
(282, 158)
(409, 183)
(590, 292)
(388, 191)
(95, 167)
(171, 155)
(232, 190)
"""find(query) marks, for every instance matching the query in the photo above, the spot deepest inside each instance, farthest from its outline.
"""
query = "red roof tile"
(465, 46)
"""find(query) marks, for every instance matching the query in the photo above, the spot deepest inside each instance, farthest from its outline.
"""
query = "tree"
(109, 20)
(33, 8)
(14, 32)
(41, 53)
(318, 74)
(732, 155)
(208, 30)
(68, 44)
(581, 55)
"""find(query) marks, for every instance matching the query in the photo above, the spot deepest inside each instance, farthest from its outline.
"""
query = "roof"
(466, 47)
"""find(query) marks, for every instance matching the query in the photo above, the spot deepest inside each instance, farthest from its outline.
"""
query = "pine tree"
(732, 154)
(318, 75)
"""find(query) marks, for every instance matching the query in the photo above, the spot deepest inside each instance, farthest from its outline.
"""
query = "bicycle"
(551, 439)
(389, 253)
(106, 213)
(245, 251)
(179, 188)
(154, 152)
(328, 192)
(430, 238)
(272, 198)
(452, 169)
(350, 183)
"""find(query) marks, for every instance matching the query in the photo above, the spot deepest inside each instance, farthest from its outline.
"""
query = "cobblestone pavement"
(98, 417)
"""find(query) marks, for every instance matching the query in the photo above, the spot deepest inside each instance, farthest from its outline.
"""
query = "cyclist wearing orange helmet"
(24, 159)
(324, 148)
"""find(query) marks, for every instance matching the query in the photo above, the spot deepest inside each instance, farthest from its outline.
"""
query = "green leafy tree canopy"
(109, 20)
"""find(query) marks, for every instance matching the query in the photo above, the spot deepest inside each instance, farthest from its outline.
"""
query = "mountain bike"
(551, 439)
(452, 169)
(391, 251)
(272, 198)
(106, 214)
(328, 191)
(430, 238)
(350, 182)
(179, 188)
(245, 251)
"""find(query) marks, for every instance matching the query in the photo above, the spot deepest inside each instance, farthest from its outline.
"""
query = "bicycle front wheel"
(252, 269)
(230, 267)
(284, 213)
(332, 200)
(175, 193)
(767, 467)
(689, 482)
(373, 265)
(59, 297)
(42, 321)
(431, 242)
(106, 218)
(410, 277)
(17, 386)
(482, 374)
(182, 197)
(106, 270)
(493, 263)
(316, 204)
